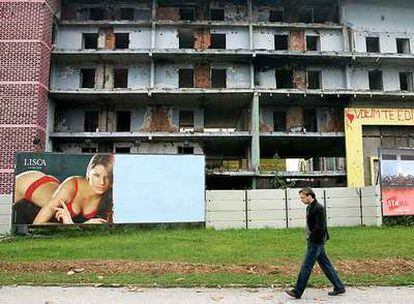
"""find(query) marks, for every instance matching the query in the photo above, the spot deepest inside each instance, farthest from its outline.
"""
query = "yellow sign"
(354, 119)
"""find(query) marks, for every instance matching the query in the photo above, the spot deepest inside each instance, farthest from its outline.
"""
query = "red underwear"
(43, 180)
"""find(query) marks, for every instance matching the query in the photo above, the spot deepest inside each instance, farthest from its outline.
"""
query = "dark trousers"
(316, 252)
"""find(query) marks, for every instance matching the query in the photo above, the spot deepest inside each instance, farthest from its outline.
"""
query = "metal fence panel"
(225, 209)
(266, 208)
(5, 213)
(296, 209)
(343, 206)
(371, 206)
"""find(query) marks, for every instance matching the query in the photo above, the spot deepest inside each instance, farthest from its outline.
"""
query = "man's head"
(307, 196)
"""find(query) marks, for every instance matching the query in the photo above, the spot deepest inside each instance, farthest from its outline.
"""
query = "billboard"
(53, 188)
(397, 181)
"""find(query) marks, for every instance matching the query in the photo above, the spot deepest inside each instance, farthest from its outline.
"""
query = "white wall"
(332, 78)
(139, 37)
(380, 14)
(139, 76)
(70, 38)
(167, 38)
(65, 77)
(236, 38)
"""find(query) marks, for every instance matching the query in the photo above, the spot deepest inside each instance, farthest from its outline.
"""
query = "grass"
(266, 246)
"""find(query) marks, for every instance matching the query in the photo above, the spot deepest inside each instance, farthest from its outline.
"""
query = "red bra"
(70, 208)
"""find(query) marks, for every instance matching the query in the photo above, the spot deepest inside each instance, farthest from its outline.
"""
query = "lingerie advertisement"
(56, 188)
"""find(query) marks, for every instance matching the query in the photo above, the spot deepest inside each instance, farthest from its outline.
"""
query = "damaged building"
(260, 87)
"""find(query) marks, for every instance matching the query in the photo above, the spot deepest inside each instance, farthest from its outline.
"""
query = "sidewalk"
(90, 295)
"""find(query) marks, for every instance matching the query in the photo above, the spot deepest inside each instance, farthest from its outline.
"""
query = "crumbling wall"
(158, 119)
(69, 120)
(243, 122)
(330, 40)
(139, 76)
(236, 37)
(166, 75)
(168, 13)
(235, 12)
(299, 79)
(111, 118)
(386, 16)
(100, 77)
(72, 148)
(202, 39)
(70, 38)
(202, 75)
(64, 77)
(167, 38)
(297, 41)
(333, 78)
(166, 147)
(330, 120)
(387, 39)
(391, 78)
(265, 127)
(266, 119)
(264, 38)
(265, 78)
(139, 36)
(294, 119)
(238, 75)
(359, 78)
(261, 13)
(108, 33)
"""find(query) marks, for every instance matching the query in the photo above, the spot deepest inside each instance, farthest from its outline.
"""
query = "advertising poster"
(397, 182)
(54, 188)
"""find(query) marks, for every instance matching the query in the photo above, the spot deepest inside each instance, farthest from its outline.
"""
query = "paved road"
(90, 295)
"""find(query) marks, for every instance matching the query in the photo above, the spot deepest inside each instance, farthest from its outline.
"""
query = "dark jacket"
(316, 221)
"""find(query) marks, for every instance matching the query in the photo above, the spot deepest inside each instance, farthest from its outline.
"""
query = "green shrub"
(405, 220)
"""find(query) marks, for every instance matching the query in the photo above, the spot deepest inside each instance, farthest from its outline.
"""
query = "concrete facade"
(246, 82)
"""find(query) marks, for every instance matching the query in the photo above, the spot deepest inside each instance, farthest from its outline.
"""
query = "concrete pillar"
(255, 131)
(250, 16)
(50, 125)
(100, 77)
(348, 77)
(252, 86)
(108, 82)
(153, 14)
(152, 77)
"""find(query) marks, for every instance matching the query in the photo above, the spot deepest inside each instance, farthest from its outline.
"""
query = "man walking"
(317, 234)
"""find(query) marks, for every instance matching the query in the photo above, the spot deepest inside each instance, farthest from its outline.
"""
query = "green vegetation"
(230, 247)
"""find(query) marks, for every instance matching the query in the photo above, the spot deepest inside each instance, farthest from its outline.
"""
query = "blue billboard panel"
(158, 188)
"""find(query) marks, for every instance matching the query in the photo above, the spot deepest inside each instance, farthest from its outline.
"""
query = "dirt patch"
(359, 267)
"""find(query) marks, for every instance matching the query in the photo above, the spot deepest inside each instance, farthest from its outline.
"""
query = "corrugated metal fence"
(283, 209)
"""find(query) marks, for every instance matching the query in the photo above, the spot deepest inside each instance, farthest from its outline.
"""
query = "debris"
(266, 297)
(79, 270)
(98, 285)
(217, 298)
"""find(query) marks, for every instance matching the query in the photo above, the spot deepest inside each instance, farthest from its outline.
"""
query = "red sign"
(398, 201)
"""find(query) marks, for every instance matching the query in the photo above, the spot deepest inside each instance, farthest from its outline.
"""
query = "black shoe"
(292, 293)
(336, 292)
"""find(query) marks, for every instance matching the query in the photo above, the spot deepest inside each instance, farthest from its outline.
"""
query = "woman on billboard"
(78, 199)
(33, 190)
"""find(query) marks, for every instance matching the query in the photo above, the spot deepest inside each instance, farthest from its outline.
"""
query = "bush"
(405, 220)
